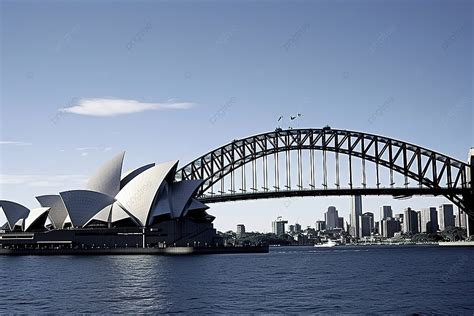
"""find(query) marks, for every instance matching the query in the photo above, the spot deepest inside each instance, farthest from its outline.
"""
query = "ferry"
(456, 243)
(328, 244)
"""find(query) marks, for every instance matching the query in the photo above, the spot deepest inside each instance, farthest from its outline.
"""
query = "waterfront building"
(418, 217)
(240, 230)
(386, 212)
(331, 217)
(278, 226)
(366, 224)
(298, 228)
(145, 206)
(429, 220)
(340, 222)
(445, 216)
(390, 227)
(461, 219)
(320, 225)
(410, 221)
(291, 229)
(377, 228)
(347, 226)
(356, 212)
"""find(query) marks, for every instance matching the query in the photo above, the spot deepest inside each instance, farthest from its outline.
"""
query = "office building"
(291, 229)
(240, 230)
(320, 225)
(461, 219)
(278, 226)
(297, 228)
(331, 217)
(340, 222)
(445, 216)
(429, 220)
(366, 224)
(377, 228)
(390, 226)
(356, 212)
(410, 221)
(386, 212)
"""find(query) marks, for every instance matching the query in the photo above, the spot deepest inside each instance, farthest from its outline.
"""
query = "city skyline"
(137, 73)
(207, 157)
(423, 224)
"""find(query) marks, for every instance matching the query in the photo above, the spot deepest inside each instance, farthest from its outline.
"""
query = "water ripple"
(288, 280)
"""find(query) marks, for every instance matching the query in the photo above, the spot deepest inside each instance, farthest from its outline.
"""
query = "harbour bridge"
(329, 162)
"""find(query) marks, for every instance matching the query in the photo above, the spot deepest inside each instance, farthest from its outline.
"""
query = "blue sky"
(169, 67)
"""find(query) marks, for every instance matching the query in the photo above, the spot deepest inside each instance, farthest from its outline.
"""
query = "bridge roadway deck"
(395, 192)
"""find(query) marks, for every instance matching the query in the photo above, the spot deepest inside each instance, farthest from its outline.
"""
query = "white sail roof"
(83, 205)
(138, 196)
(129, 175)
(67, 220)
(35, 215)
(13, 212)
(107, 179)
(57, 212)
(118, 213)
(102, 216)
(181, 193)
(195, 205)
(162, 205)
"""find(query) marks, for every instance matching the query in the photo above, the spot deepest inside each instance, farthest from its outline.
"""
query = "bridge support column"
(470, 226)
(470, 204)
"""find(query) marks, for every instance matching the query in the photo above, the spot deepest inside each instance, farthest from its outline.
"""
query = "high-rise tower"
(356, 213)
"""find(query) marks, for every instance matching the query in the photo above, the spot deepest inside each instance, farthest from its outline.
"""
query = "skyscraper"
(410, 221)
(390, 227)
(320, 225)
(429, 220)
(297, 228)
(291, 229)
(461, 218)
(240, 230)
(418, 221)
(340, 222)
(356, 212)
(385, 212)
(331, 217)
(445, 216)
(366, 224)
(278, 226)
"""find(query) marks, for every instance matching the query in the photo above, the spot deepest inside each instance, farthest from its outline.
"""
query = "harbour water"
(380, 280)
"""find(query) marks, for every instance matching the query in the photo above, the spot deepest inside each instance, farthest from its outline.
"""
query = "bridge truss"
(324, 162)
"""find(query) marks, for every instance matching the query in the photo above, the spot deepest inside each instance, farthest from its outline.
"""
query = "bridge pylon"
(469, 200)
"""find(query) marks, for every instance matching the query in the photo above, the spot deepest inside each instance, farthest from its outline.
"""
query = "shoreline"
(171, 251)
(432, 244)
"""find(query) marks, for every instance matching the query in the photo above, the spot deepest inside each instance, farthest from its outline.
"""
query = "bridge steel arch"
(434, 173)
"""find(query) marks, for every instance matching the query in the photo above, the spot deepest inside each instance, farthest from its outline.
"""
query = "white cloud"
(104, 107)
(86, 150)
(43, 180)
(10, 142)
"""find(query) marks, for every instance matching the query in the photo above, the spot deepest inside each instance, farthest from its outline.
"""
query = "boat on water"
(328, 244)
(456, 243)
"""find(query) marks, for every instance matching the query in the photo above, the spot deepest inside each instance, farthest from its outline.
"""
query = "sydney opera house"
(142, 208)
